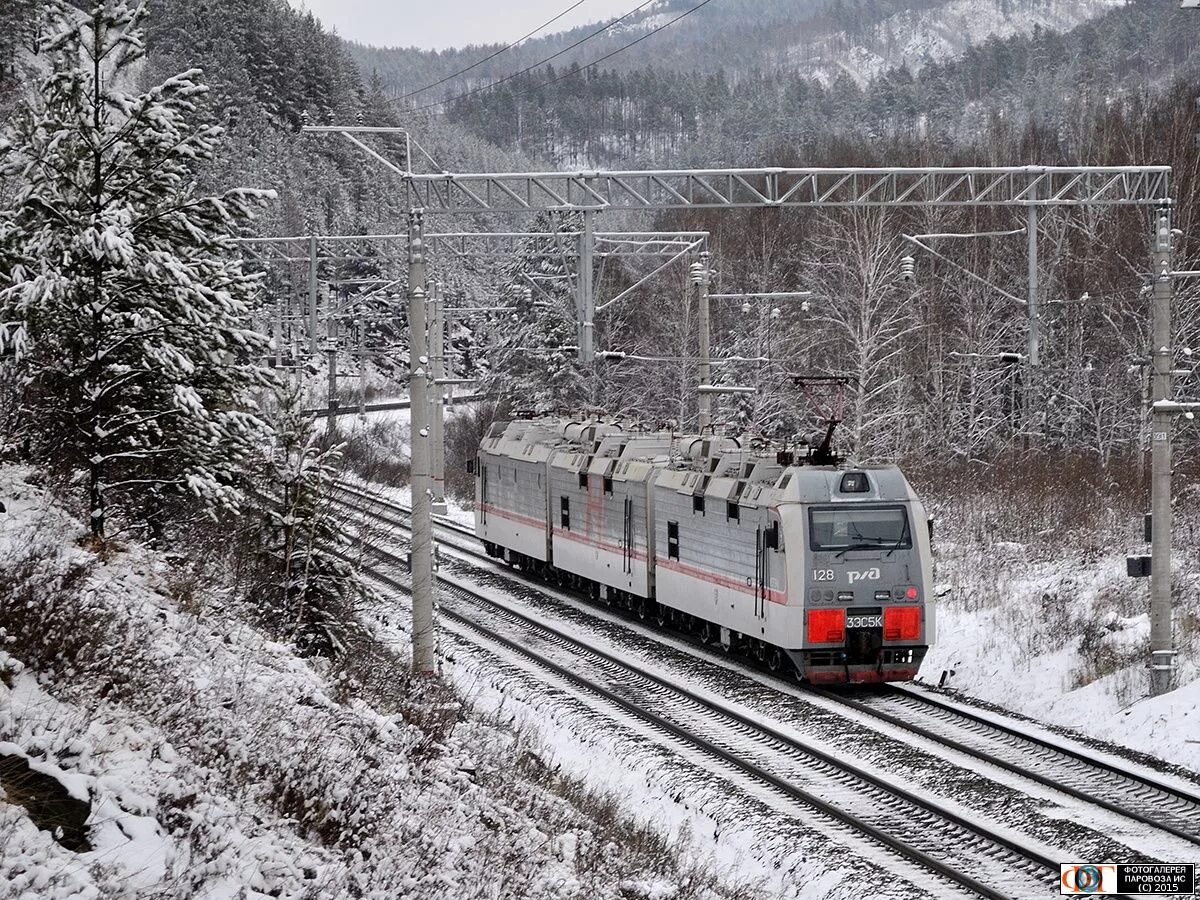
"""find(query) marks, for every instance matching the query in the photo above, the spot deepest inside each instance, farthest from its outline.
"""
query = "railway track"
(848, 798)
(1142, 798)
(1164, 804)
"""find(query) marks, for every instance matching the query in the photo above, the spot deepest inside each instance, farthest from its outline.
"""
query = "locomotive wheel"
(660, 615)
(707, 632)
(774, 659)
(642, 611)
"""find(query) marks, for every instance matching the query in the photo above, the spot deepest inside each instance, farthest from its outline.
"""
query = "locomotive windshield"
(859, 528)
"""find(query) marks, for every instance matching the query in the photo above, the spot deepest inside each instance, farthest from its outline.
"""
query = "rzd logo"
(864, 575)
(1087, 879)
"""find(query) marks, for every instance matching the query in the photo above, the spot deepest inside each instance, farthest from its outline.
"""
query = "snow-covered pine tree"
(122, 288)
(18, 28)
(305, 593)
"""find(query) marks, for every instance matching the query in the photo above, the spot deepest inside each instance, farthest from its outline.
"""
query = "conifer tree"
(124, 301)
(306, 593)
(537, 360)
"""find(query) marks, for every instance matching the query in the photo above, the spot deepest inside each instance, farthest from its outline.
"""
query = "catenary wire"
(539, 64)
(492, 56)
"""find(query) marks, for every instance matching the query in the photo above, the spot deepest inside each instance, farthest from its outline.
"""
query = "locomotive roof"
(715, 466)
(825, 484)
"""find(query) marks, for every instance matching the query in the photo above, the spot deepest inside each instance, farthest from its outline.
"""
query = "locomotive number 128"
(822, 574)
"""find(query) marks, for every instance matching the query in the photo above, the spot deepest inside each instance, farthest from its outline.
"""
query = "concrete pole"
(331, 338)
(585, 286)
(704, 371)
(437, 360)
(1143, 420)
(277, 330)
(423, 659)
(1162, 642)
(1034, 341)
(312, 295)
(1035, 324)
(362, 362)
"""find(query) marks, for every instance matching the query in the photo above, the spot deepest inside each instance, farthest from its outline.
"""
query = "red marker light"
(826, 626)
(911, 593)
(901, 623)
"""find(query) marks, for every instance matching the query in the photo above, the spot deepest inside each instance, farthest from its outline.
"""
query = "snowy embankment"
(216, 763)
(1062, 636)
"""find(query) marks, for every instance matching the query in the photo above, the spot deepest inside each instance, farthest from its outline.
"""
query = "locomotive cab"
(861, 554)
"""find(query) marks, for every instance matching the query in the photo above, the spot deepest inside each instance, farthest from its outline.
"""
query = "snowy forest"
(201, 693)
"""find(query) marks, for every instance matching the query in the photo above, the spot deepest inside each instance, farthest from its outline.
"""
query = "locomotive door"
(766, 545)
(762, 572)
(483, 492)
(627, 538)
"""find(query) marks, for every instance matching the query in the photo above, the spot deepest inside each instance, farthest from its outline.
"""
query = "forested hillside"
(816, 38)
(1091, 95)
(723, 115)
(268, 65)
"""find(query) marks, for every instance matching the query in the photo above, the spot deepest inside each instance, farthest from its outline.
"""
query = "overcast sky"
(437, 24)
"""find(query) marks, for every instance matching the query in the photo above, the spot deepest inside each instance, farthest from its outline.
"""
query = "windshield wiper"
(900, 540)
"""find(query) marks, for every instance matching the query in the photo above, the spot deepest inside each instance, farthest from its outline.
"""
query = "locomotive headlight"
(855, 483)
(911, 592)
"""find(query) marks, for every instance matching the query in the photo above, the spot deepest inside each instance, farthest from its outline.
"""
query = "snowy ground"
(1065, 642)
(218, 764)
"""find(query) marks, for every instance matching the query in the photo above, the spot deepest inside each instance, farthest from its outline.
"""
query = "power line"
(543, 62)
(648, 34)
(476, 65)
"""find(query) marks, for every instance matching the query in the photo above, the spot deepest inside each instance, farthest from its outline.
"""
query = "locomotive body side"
(716, 559)
(602, 531)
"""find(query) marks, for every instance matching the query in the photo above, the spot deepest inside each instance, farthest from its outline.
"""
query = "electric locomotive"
(785, 555)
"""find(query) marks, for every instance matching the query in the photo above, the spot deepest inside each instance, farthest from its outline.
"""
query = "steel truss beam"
(1017, 186)
(483, 245)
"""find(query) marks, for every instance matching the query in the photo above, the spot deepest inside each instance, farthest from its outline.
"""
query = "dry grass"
(46, 620)
(1048, 502)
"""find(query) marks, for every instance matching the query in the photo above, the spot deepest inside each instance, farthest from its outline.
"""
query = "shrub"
(375, 454)
(463, 434)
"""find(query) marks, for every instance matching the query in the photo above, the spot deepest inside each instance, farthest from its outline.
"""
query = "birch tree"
(868, 316)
